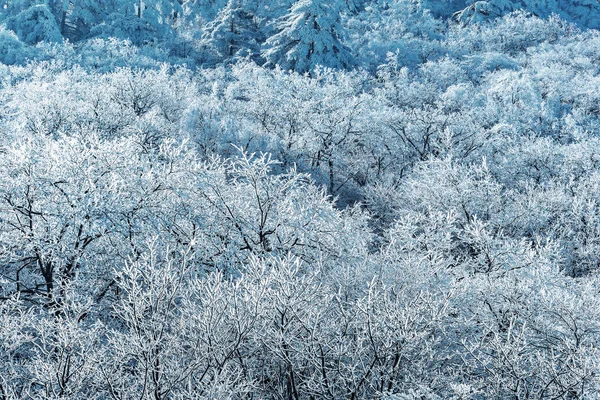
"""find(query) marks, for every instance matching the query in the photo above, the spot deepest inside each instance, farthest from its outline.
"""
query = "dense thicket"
(299, 200)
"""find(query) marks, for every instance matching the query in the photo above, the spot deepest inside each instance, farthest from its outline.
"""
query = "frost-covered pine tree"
(309, 35)
(75, 18)
(32, 22)
(140, 21)
(233, 33)
(199, 12)
(162, 12)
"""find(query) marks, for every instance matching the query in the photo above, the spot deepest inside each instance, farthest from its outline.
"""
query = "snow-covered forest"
(299, 199)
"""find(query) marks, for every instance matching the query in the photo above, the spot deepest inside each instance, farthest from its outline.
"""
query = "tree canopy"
(278, 199)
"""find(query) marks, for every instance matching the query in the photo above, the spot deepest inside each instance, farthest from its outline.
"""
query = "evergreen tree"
(75, 18)
(309, 35)
(140, 21)
(33, 24)
(203, 11)
(232, 34)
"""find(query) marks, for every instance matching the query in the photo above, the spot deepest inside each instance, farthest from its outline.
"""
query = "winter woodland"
(299, 199)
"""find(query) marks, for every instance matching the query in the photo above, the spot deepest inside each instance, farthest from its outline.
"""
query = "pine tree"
(203, 10)
(75, 18)
(34, 24)
(141, 21)
(233, 33)
(309, 35)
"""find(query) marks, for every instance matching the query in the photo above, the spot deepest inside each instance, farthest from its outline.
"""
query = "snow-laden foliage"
(309, 35)
(233, 35)
(12, 50)
(388, 199)
(584, 12)
(34, 24)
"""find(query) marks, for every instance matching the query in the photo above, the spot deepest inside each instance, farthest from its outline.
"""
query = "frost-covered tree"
(12, 50)
(582, 12)
(233, 34)
(404, 27)
(140, 21)
(309, 35)
(202, 11)
(34, 23)
(480, 11)
(77, 17)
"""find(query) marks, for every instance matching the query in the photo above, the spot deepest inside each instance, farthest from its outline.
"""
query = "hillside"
(304, 199)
